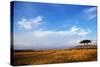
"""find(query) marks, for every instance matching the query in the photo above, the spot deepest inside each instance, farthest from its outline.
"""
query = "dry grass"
(55, 56)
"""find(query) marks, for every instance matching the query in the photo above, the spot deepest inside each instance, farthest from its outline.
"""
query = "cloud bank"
(49, 39)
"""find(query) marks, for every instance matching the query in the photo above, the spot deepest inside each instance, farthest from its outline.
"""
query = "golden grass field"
(54, 56)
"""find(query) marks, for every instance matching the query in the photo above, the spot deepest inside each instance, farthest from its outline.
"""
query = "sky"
(41, 26)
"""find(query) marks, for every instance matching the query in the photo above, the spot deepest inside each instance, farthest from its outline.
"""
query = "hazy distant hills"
(75, 47)
(86, 46)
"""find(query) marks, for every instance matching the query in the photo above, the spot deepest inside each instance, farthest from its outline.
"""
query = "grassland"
(54, 56)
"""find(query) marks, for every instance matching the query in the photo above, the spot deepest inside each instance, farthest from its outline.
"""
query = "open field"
(54, 56)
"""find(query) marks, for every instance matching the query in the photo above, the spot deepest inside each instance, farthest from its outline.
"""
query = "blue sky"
(44, 24)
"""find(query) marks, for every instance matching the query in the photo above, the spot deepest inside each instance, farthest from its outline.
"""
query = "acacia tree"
(85, 42)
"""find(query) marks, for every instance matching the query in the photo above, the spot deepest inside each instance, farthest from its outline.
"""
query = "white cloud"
(91, 17)
(50, 39)
(74, 28)
(83, 32)
(73, 31)
(90, 13)
(91, 10)
(28, 24)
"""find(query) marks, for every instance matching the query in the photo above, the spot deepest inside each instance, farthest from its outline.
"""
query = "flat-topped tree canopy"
(85, 42)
